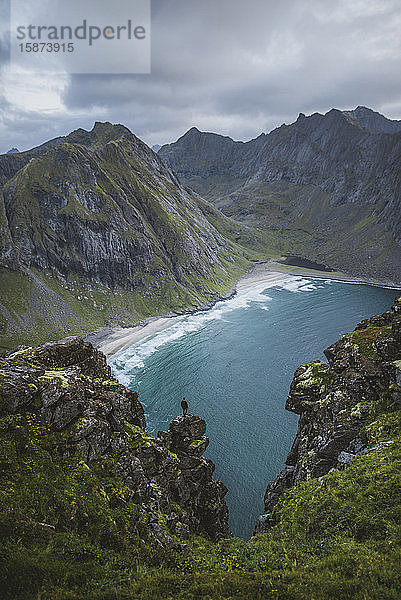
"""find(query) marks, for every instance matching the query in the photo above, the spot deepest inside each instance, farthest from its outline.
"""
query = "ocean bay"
(234, 364)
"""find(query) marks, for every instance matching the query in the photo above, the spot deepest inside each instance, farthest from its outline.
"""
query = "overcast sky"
(236, 67)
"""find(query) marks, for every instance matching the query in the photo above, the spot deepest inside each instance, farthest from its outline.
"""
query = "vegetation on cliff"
(96, 230)
(94, 507)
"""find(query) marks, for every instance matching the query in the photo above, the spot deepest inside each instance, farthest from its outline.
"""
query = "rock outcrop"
(186, 439)
(68, 384)
(335, 400)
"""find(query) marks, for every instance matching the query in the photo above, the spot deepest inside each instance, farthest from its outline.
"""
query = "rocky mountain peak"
(193, 131)
(103, 131)
(373, 121)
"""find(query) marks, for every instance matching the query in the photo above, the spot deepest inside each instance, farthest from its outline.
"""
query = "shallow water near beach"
(234, 364)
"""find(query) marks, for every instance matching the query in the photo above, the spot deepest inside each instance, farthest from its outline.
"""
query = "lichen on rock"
(336, 401)
(69, 386)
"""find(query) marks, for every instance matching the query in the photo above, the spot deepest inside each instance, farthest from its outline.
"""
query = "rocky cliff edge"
(64, 392)
(337, 401)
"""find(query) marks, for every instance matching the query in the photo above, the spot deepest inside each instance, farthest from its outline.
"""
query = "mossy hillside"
(334, 538)
(62, 511)
(36, 307)
(49, 182)
(113, 235)
(70, 180)
(301, 220)
(259, 244)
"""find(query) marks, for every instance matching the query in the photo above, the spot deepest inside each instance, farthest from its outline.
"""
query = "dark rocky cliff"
(373, 121)
(337, 400)
(326, 187)
(67, 386)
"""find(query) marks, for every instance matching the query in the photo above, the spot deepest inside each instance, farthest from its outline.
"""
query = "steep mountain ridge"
(373, 121)
(98, 215)
(324, 187)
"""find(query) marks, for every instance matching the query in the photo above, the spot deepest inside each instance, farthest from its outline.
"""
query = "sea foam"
(134, 357)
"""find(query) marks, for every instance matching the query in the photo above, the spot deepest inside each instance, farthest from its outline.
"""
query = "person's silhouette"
(184, 406)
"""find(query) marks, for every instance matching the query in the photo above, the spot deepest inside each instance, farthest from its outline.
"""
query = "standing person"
(184, 406)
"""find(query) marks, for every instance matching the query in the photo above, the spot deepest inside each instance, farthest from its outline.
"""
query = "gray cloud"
(237, 67)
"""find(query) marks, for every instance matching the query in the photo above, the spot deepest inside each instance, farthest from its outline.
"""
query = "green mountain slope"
(96, 230)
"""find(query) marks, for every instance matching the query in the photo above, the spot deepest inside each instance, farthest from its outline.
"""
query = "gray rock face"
(325, 186)
(334, 400)
(373, 121)
(69, 384)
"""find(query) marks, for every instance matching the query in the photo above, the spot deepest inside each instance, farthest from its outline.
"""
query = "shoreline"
(333, 275)
(111, 340)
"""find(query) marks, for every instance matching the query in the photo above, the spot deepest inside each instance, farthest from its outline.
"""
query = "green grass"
(338, 538)
(275, 266)
(36, 307)
(61, 519)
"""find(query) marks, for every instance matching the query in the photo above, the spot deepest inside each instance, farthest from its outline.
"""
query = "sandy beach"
(110, 340)
(113, 339)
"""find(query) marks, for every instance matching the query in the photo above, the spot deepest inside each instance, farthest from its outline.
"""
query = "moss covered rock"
(67, 386)
(336, 401)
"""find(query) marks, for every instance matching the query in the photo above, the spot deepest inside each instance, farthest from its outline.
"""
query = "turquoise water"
(234, 364)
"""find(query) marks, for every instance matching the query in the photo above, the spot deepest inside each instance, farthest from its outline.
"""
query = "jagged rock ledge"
(69, 385)
(334, 401)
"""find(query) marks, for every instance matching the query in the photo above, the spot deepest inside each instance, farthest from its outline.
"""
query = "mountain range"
(327, 187)
(97, 229)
